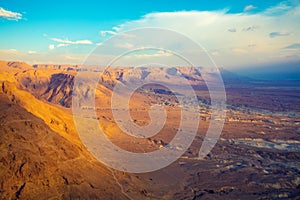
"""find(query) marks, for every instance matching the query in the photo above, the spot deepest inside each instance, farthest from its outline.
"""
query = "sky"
(237, 34)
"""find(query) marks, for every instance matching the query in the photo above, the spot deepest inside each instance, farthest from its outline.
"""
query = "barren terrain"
(42, 156)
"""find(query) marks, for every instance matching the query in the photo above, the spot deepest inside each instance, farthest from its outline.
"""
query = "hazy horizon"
(239, 36)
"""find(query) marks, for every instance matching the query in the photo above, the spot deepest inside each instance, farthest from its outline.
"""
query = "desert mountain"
(42, 156)
(38, 163)
(52, 86)
(13, 66)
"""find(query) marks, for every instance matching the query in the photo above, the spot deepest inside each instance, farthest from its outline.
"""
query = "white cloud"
(105, 33)
(279, 9)
(152, 54)
(250, 43)
(62, 45)
(59, 58)
(249, 7)
(32, 52)
(9, 14)
(51, 47)
(66, 41)
(116, 29)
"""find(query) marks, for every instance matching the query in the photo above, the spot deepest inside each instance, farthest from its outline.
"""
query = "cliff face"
(59, 90)
(54, 86)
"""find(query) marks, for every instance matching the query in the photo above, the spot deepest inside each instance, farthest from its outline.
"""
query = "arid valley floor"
(42, 156)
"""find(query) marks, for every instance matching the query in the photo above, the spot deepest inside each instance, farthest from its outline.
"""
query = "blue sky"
(66, 19)
(249, 32)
